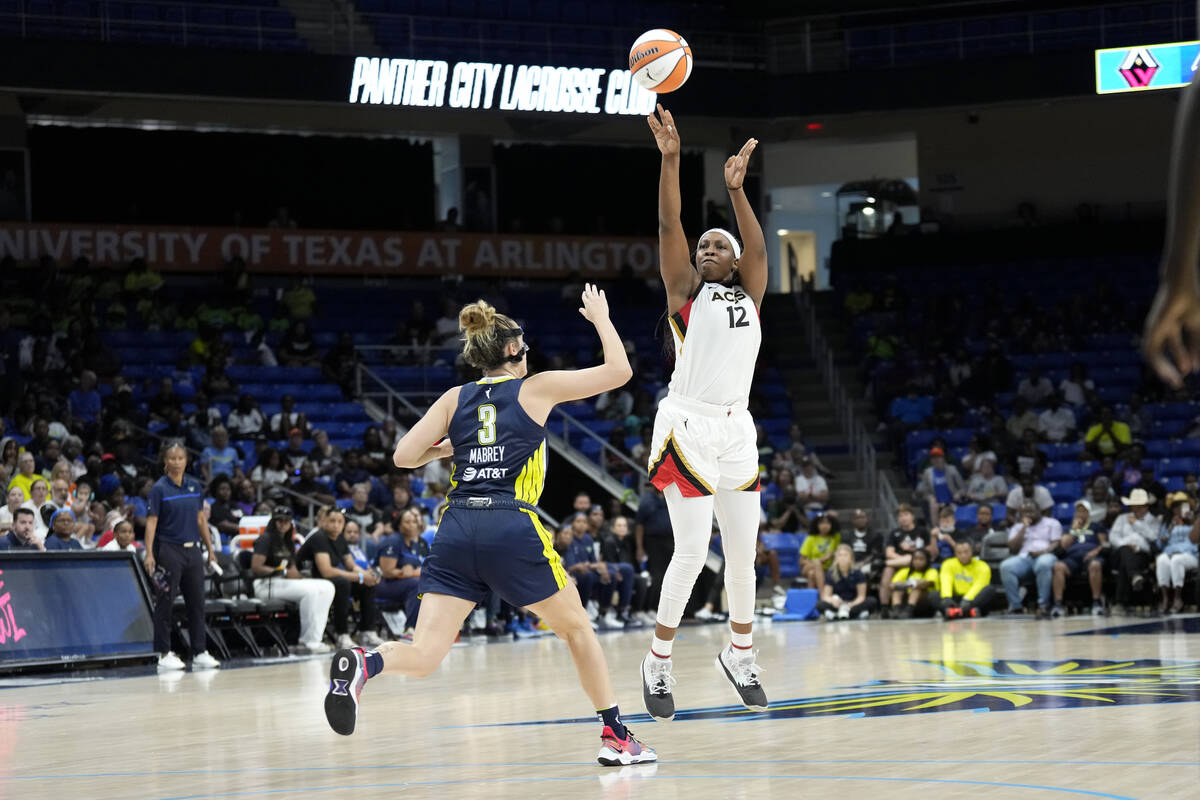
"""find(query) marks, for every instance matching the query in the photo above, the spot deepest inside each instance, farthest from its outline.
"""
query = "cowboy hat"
(1177, 497)
(1138, 497)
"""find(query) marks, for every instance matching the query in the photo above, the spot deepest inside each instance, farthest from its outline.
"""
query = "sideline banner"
(330, 252)
(1146, 67)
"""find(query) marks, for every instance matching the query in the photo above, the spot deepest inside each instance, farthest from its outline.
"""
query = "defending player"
(490, 536)
(703, 454)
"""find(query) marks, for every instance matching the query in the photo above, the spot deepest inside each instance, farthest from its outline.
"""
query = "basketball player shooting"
(703, 454)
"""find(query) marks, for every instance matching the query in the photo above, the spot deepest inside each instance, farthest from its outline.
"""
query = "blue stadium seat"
(1063, 471)
(1177, 466)
(1186, 448)
(787, 545)
(1065, 491)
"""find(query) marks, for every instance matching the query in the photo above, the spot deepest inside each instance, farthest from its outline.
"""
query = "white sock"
(742, 641)
(661, 647)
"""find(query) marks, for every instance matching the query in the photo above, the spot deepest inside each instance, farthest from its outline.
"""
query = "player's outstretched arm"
(426, 441)
(675, 263)
(1176, 307)
(544, 391)
(752, 266)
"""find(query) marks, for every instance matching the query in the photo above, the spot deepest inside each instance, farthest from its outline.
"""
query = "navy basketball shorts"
(505, 550)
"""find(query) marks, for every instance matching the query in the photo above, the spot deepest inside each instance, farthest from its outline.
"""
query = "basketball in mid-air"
(660, 60)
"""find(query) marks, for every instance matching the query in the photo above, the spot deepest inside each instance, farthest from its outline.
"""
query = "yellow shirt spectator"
(930, 575)
(1108, 436)
(964, 580)
(820, 547)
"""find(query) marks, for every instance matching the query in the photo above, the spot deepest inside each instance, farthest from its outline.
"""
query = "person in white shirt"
(1132, 538)
(811, 488)
(16, 496)
(985, 485)
(1075, 387)
(1096, 499)
(1033, 542)
(1027, 490)
(1056, 423)
(39, 494)
(122, 537)
(1036, 387)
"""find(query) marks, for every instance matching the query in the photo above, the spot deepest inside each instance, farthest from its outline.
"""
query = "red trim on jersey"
(670, 470)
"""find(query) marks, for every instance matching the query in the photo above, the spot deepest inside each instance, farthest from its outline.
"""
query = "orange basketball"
(660, 60)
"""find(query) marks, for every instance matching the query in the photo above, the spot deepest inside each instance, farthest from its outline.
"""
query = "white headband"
(737, 248)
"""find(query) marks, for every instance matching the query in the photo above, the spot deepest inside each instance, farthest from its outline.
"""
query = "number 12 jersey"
(717, 335)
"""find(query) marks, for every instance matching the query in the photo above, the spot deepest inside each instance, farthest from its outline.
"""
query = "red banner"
(376, 252)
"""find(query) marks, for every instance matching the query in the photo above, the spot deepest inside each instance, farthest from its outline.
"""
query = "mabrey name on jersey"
(485, 473)
(486, 455)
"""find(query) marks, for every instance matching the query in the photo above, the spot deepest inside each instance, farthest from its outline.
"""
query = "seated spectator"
(965, 582)
(276, 576)
(915, 587)
(844, 595)
(941, 483)
(286, 419)
(269, 474)
(324, 554)
(21, 537)
(1057, 423)
(865, 544)
(326, 457)
(1035, 388)
(1032, 541)
(1027, 491)
(375, 457)
(220, 458)
(578, 557)
(786, 514)
(623, 546)
(25, 475)
(1076, 386)
(797, 450)
(948, 408)
(1135, 473)
(62, 531)
(122, 538)
(816, 554)
(1180, 552)
(7, 512)
(1027, 458)
(400, 557)
(1096, 500)
(1132, 537)
(350, 475)
(359, 545)
(901, 544)
(299, 348)
(224, 515)
(1108, 437)
(202, 422)
(39, 503)
(1083, 549)
(982, 528)
(945, 534)
(811, 489)
(907, 412)
(979, 450)
(83, 404)
(216, 384)
(1138, 417)
(308, 485)
(620, 571)
(340, 364)
(985, 486)
(359, 510)
(1023, 419)
(246, 420)
(164, 399)
(294, 454)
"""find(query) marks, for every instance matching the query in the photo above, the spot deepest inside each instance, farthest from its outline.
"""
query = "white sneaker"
(648, 618)
(742, 671)
(779, 590)
(369, 639)
(593, 610)
(317, 648)
(204, 661)
(344, 642)
(844, 612)
(169, 661)
(704, 615)
(611, 620)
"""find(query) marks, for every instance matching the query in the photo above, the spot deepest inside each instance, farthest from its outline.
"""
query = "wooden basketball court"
(1078, 707)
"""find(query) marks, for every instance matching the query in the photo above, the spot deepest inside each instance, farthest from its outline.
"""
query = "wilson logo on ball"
(660, 60)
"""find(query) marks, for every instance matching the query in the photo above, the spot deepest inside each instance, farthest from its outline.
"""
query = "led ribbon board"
(507, 87)
(1144, 67)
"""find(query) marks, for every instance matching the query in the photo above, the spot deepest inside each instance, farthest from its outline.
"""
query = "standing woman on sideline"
(704, 452)
(490, 539)
(175, 529)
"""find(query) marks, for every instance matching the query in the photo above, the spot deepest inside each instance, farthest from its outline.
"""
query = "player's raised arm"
(421, 444)
(1176, 307)
(752, 266)
(545, 390)
(675, 262)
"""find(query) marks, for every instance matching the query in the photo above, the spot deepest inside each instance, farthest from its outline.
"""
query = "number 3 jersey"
(717, 334)
(499, 451)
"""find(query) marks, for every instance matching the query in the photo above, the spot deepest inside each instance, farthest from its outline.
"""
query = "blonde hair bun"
(477, 318)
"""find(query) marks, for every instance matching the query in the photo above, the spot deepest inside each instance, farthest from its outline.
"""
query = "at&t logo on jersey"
(486, 473)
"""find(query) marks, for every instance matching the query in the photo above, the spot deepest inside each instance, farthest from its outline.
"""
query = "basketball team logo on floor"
(997, 685)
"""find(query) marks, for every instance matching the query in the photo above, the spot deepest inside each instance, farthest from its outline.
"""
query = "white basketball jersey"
(717, 335)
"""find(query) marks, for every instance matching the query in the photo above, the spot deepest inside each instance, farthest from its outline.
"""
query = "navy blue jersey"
(499, 451)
